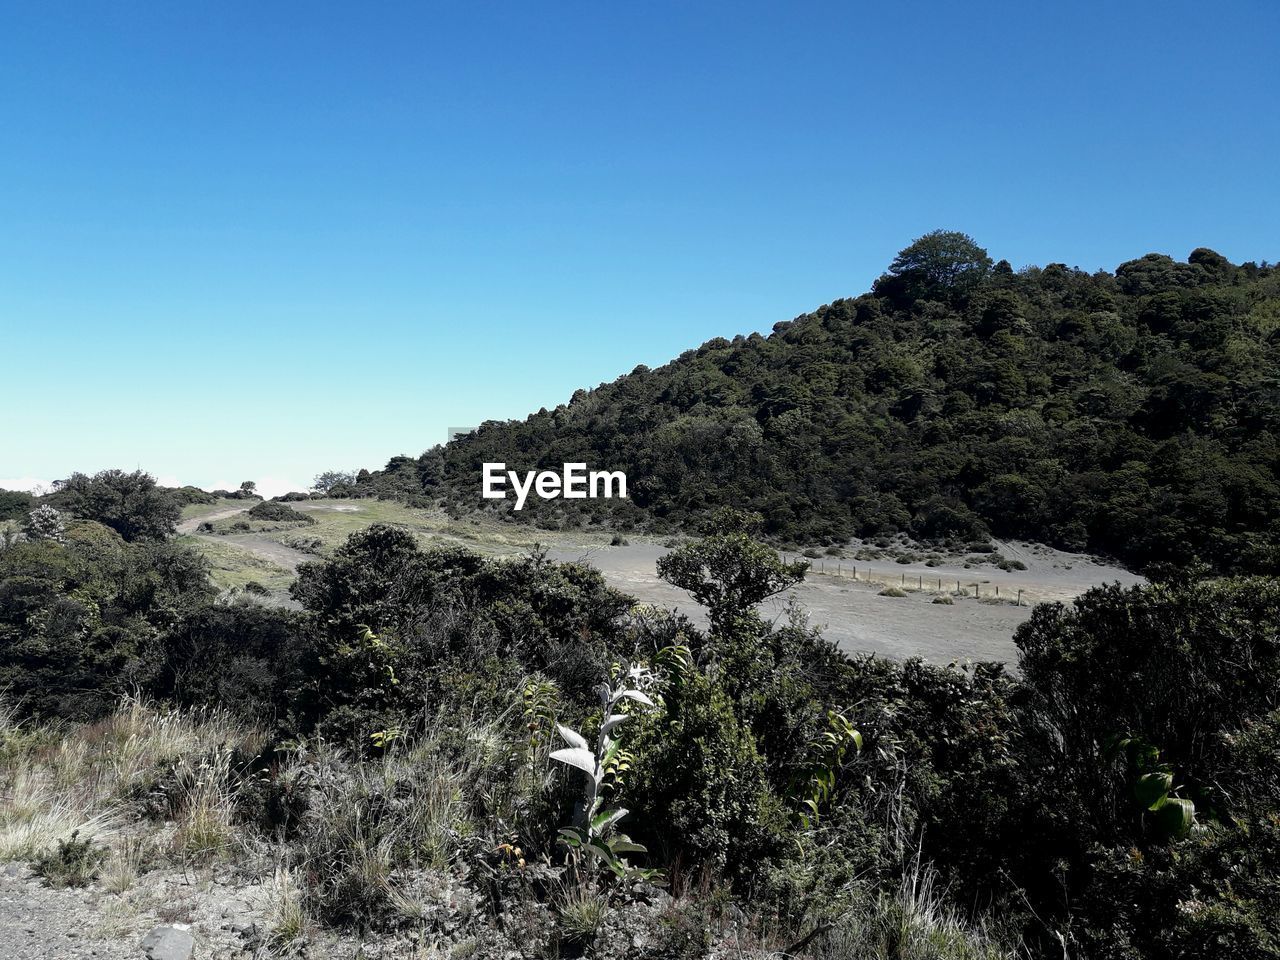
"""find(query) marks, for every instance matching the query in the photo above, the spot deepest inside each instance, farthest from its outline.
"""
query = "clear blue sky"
(257, 240)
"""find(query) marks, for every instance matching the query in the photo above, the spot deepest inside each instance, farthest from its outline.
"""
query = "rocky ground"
(164, 916)
(170, 914)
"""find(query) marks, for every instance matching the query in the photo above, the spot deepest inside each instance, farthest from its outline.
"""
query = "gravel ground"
(855, 616)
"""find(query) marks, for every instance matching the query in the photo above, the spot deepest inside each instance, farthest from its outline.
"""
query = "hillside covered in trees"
(1132, 413)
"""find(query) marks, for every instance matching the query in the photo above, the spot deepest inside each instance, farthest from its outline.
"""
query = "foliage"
(189, 495)
(80, 620)
(280, 512)
(129, 503)
(1130, 414)
(1174, 665)
(942, 265)
(701, 782)
(75, 863)
(327, 481)
(829, 749)
(729, 574)
(822, 804)
(44, 523)
(595, 834)
(15, 504)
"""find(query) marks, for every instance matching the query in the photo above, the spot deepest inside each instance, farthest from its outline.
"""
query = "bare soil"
(854, 615)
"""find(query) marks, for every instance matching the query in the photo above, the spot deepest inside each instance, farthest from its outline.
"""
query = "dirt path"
(263, 546)
(190, 526)
(258, 544)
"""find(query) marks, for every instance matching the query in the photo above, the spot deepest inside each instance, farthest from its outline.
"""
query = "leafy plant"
(1152, 785)
(75, 863)
(828, 749)
(595, 835)
(540, 700)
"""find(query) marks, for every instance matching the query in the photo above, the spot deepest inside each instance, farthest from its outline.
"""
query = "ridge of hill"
(1132, 414)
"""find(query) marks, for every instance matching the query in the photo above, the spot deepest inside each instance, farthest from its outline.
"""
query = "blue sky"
(255, 241)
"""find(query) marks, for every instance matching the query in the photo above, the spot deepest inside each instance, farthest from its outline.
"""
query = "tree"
(14, 504)
(44, 523)
(129, 503)
(943, 265)
(729, 574)
(248, 489)
(887, 412)
(325, 482)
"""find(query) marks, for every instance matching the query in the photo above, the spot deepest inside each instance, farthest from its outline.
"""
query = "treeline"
(1120, 799)
(1133, 414)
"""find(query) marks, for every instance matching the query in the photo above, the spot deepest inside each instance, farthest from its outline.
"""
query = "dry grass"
(914, 924)
(57, 782)
(367, 821)
(289, 924)
(128, 859)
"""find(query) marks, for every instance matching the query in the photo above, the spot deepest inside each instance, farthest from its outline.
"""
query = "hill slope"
(1133, 414)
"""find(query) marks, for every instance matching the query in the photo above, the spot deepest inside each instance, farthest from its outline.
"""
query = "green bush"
(15, 504)
(189, 495)
(699, 784)
(279, 512)
(75, 863)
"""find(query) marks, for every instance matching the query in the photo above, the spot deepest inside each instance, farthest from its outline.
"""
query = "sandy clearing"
(1049, 575)
(859, 620)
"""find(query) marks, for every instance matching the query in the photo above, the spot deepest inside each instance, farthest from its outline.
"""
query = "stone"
(173, 942)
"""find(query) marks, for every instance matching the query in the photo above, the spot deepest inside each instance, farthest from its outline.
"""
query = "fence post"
(1019, 598)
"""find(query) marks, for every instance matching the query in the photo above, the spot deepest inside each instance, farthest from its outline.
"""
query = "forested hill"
(1134, 414)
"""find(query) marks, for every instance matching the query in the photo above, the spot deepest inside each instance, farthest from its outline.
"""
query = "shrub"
(75, 862)
(912, 923)
(130, 858)
(369, 826)
(279, 512)
(44, 523)
(582, 914)
(129, 503)
(893, 592)
(189, 495)
(699, 783)
(15, 504)
(944, 519)
(240, 657)
(1178, 665)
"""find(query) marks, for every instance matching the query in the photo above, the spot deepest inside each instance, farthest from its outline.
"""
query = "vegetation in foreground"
(508, 755)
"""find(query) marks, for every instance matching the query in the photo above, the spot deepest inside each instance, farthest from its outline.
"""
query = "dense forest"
(1133, 414)
(509, 758)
